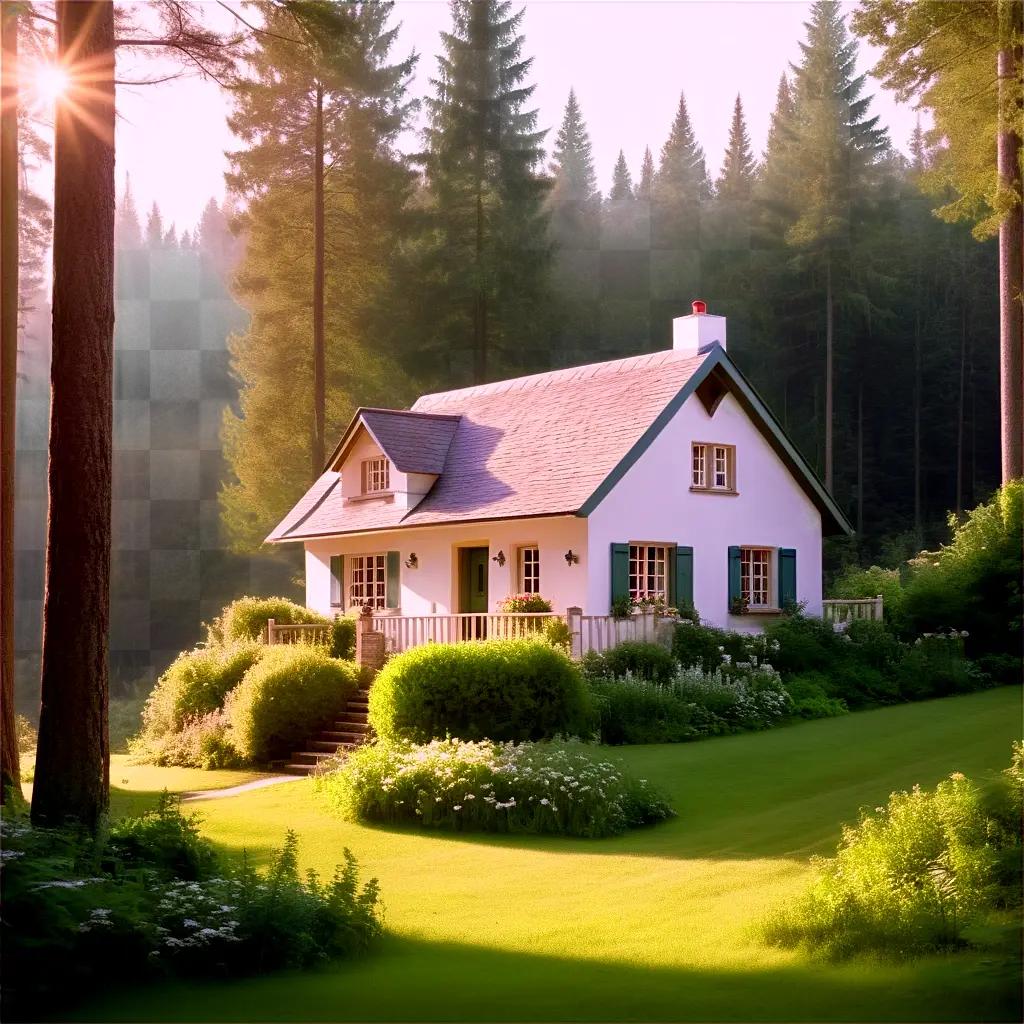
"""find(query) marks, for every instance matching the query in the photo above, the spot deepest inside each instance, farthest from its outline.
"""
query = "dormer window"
(376, 475)
(713, 467)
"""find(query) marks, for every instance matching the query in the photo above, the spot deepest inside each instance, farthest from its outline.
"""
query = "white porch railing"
(402, 632)
(297, 633)
(599, 633)
(848, 609)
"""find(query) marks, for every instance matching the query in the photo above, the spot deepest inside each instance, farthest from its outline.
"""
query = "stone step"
(346, 724)
(355, 717)
(338, 736)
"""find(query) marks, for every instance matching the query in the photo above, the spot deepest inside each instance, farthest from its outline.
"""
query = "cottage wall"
(432, 587)
(653, 502)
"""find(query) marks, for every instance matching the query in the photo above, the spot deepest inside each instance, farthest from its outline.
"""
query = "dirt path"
(216, 794)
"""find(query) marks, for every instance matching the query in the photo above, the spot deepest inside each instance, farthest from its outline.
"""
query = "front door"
(473, 580)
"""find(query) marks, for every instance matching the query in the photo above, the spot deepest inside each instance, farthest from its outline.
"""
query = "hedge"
(517, 690)
(289, 693)
(246, 618)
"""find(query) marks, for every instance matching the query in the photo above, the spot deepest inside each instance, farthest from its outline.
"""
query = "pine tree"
(484, 255)
(738, 169)
(622, 181)
(682, 175)
(572, 163)
(154, 228)
(129, 230)
(171, 238)
(920, 158)
(323, 189)
(645, 186)
(779, 127)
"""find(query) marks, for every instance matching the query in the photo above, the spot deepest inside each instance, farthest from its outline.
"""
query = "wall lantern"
(499, 558)
(412, 562)
(571, 558)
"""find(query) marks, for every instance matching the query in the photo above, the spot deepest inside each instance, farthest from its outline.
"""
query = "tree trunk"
(1011, 248)
(73, 763)
(860, 458)
(10, 770)
(917, 425)
(960, 404)
(828, 375)
(319, 452)
(480, 303)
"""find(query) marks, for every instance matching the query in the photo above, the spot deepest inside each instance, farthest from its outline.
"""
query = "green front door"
(473, 579)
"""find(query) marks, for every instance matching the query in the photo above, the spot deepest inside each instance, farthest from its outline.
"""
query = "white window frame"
(649, 566)
(376, 475)
(757, 576)
(369, 590)
(528, 569)
(713, 466)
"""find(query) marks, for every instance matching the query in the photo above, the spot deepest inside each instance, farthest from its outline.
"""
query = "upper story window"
(376, 475)
(756, 576)
(529, 570)
(714, 466)
(648, 571)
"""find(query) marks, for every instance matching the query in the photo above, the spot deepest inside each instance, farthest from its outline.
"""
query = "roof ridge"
(567, 373)
(408, 412)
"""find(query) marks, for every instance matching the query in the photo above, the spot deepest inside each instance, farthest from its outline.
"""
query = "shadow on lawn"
(411, 980)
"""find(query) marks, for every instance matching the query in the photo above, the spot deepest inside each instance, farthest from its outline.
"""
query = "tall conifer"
(572, 161)
(682, 174)
(738, 168)
(645, 186)
(622, 180)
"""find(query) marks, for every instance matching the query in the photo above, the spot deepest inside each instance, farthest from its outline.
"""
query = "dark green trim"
(682, 578)
(620, 571)
(787, 577)
(338, 574)
(735, 575)
(756, 408)
(393, 589)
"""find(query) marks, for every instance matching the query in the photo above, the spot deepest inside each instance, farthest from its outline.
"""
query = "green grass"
(654, 925)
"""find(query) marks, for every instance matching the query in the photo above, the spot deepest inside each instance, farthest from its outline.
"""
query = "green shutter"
(787, 577)
(338, 581)
(620, 571)
(682, 578)
(735, 576)
(394, 594)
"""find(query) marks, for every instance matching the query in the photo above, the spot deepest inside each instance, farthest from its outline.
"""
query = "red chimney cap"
(699, 306)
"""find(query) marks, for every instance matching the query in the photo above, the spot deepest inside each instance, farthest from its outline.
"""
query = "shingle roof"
(548, 444)
(537, 445)
(415, 442)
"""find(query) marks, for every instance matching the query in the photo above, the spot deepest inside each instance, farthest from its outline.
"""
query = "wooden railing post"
(270, 631)
(573, 619)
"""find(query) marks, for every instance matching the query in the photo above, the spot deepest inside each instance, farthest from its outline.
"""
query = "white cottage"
(658, 475)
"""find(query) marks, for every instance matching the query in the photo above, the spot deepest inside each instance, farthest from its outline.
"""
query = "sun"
(49, 83)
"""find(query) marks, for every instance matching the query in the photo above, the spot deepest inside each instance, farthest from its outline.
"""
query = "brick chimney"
(697, 332)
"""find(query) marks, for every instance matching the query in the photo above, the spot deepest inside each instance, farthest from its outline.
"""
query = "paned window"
(714, 467)
(755, 576)
(529, 570)
(376, 475)
(648, 577)
(369, 581)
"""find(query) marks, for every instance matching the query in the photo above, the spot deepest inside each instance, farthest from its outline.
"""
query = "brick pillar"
(364, 624)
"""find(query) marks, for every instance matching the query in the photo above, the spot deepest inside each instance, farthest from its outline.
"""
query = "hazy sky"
(627, 59)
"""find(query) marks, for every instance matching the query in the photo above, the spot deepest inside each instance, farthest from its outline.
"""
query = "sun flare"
(50, 82)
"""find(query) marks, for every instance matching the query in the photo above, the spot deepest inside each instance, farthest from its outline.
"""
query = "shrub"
(752, 697)
(908, 878)
(343, 638)
(27, 735)
(634, 711)
(694, 643)
(246, 618)
(802, 643)
(810, 694)
(635, 658)
(154, 900)
(561, 788)
(855, 582)
(284, 697)
(556, 633)
(496, 689)
(525, 603)
(974, 582)
(202, 742)
(935, 666)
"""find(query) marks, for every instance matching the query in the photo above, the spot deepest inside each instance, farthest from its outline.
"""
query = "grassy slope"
(655, 925)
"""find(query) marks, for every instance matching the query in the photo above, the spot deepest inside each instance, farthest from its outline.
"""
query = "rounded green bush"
(246, 618)
(640, 659)
(283, 698)
(195, 684)
(497, 689)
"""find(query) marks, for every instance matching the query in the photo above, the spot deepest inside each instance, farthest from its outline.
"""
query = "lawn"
(654, 925)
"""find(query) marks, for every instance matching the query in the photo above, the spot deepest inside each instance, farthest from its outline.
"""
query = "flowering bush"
(153, 899)
(911, 876)
(562, 788)
(524, 603)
